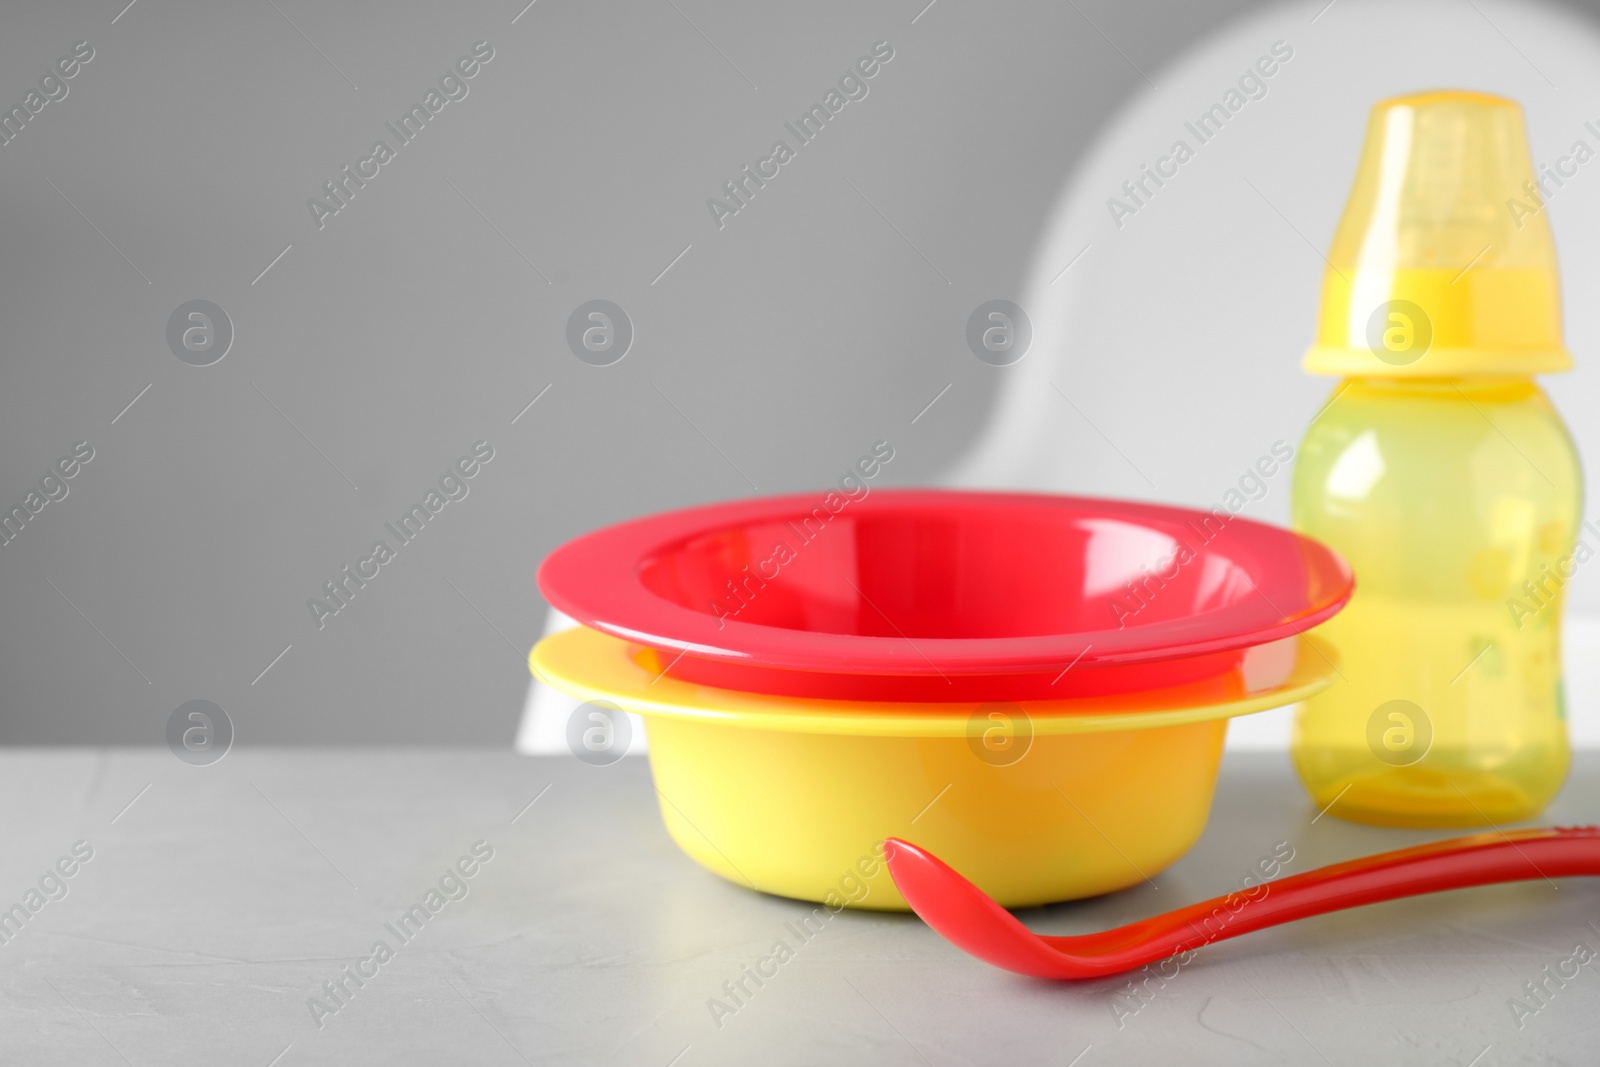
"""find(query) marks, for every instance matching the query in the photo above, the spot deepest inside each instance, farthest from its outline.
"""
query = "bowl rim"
(596, 579)
(593, 666)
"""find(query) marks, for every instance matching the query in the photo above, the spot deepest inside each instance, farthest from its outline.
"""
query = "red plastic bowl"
(944, 595)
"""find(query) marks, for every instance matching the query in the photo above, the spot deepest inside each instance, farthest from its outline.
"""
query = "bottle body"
(1457, 504)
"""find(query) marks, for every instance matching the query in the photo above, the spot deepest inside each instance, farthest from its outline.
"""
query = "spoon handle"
(1483, 859)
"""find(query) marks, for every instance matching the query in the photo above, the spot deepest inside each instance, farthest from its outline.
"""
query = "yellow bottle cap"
(1443, 264)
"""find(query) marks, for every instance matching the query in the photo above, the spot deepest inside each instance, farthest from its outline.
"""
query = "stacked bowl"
(1036, 688)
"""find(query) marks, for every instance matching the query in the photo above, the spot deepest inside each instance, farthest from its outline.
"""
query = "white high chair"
(1166, 344)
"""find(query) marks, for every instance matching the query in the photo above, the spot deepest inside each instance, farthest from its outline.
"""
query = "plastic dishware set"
(1035, 689)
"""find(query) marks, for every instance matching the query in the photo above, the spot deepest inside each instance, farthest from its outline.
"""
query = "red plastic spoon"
(971, 920)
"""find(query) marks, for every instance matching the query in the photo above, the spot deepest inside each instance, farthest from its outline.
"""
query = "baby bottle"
(1440, 470)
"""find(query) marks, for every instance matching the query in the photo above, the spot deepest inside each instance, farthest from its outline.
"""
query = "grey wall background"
(428, 313)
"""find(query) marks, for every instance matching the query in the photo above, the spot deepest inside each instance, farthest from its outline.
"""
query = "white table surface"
(220, 901)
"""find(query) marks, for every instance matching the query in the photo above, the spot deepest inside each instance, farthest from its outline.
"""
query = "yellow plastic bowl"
(1036, 803)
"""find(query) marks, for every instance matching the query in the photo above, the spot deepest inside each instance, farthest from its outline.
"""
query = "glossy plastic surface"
(1458, 504)
(795, 797)
(1443, 264)
(976, 923)
(933, 595)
